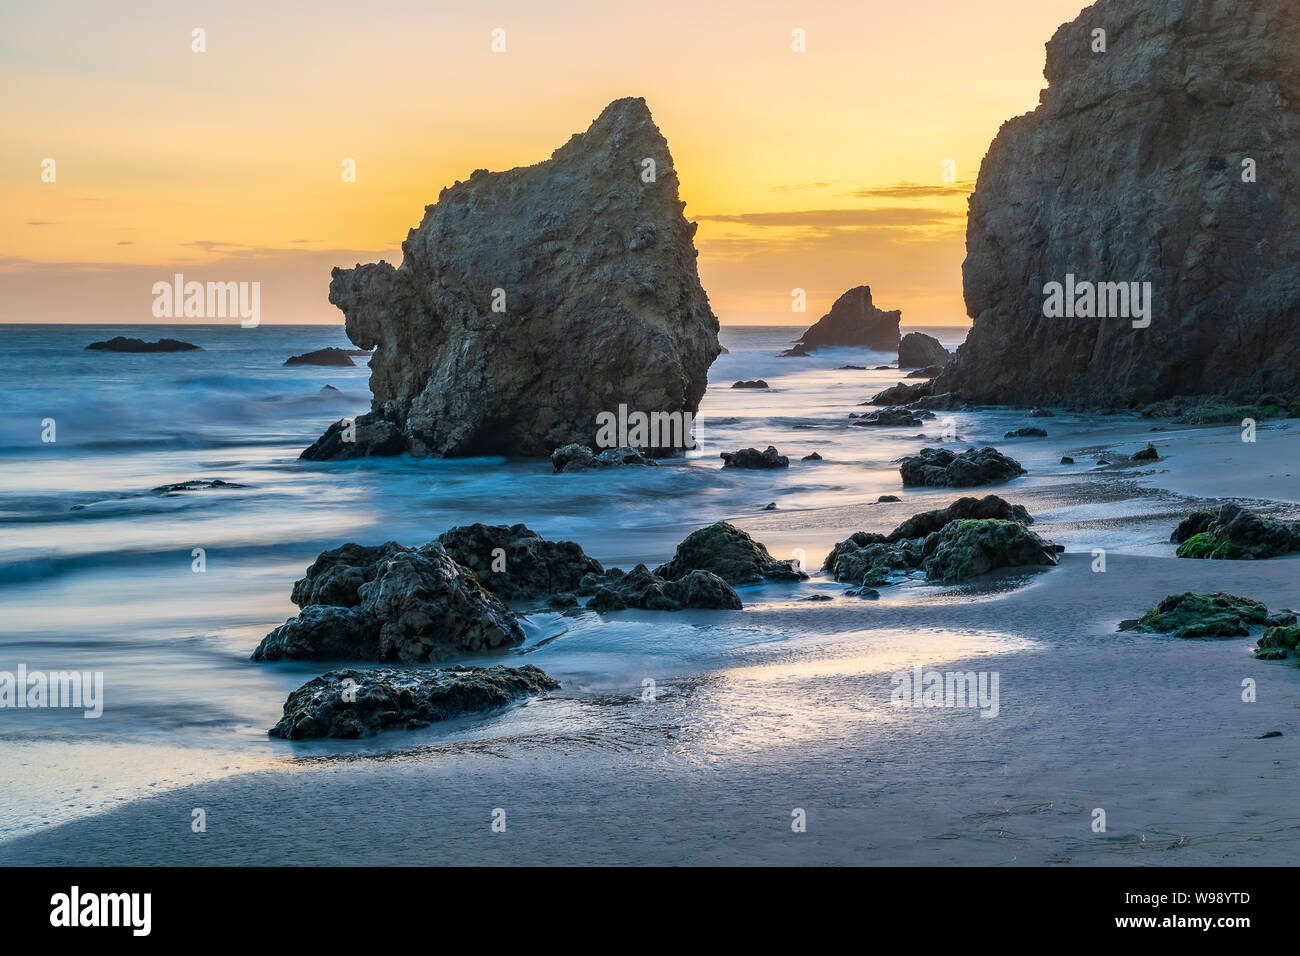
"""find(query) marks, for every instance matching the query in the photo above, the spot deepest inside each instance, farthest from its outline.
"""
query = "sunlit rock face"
(1171, 157)
(530, 301)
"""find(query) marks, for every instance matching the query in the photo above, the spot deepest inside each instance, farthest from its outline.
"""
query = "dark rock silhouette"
(853, 321)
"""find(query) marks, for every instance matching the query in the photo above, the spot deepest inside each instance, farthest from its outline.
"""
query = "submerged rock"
(390, 603)
(731, 554)
(1026, 432)
(853, 322)
(1172, 158)
(1201, 615)
(939, 467)
(197, 484)
(330, 356)
(1235, 533)
(358, 703)
(531, 301)
(577, 457)
(515, 563)
(642, 588)
(918, 350)
(753, 458)
(120, 343)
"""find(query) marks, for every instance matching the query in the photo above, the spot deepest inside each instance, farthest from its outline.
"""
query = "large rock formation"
(853, 322)
(531, 300)
(1135, 167)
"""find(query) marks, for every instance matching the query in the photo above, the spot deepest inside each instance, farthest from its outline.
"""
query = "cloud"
(36, 222)
(824, 220)
(915, 191)
(796, 188)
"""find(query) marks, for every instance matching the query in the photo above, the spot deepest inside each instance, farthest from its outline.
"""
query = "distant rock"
(753, 458)
(886, 499)
(1194, 187)
(731, 554)
(328, 388)
(515, 563)
(1201, 615)
(917, 350)
(533, 301)
(938, 467)
(813, 457)
(853, 322)
(853, 368)
(1026, 432)
(122, 344)
(1067, 460)
(330, 356)
(1147, 454)
(1236, 534)
(578, 457)
(390, 603)
(641, 588)
(756, 383)
(350, 704)
(198, 484)
(893, 417)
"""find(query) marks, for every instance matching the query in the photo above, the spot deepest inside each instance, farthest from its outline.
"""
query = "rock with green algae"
(1201, 615)
(359, 703)
(731, 554)
(1235, 533)
(970, 547)
(1278, 642)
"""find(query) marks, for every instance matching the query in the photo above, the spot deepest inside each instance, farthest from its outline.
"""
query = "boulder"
(120, 343)
(938, 467)
(1235, 533)
(1026, 432)
(853, 322)
(1278, 642)
(731, 554)
(918, 350)
(642, 588)
(531, 301)
(967, 548)
(390, 603)
(755, 383)
(893, 417)
(330, 356)
(753, 458)
(359, 703)
(530, 566)
(577, 457)
(1201, 615)
(1172, 158)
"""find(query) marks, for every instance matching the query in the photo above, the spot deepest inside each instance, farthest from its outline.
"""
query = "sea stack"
(1164, 156)
(853, 322)
(531, 301)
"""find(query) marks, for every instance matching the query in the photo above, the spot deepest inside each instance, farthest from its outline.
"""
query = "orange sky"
(820, 170)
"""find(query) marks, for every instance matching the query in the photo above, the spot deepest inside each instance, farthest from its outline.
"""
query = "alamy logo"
(74, 690)
(1098, 300)
(213, 300)
(622, 429)
(922, 688)
(74, 908)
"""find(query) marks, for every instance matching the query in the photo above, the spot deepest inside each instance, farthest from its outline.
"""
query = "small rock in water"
(121, 343)
(771, 506)
(723, 549)
(1067, 460)
(753, 458)
(578, 457)
(885, 498)
(1026, 433)
(1268, 736)
(938, 467)
(813, 457)
(1201, 615)
(330, 356)
(1147, 454)
(329, 388)
(196, 485)
(755, 383)
(350, 703)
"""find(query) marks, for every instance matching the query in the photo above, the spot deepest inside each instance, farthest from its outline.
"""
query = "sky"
(818, 170)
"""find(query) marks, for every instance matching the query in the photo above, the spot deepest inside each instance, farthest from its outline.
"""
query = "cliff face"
(529, 301)
(1132, 170)
(853, 321)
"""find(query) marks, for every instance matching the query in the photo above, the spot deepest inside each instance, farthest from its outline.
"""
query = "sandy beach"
(798, 715)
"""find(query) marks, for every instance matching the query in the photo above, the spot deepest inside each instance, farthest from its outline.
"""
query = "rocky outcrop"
(530, 301)
(515, 563)
(893, 417)
(853, 322)
(753, 458)
(1171, 158)
(390, 603)
(918, 350)
(120, 343)
(330, 356)
(642, 588)
(1201, 615)
(359, 703)
(731, 554)
(938, 467)
(969, 538)
(576, 457)
(1236, 534)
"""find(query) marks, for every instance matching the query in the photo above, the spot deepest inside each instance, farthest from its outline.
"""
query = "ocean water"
(97, 569)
